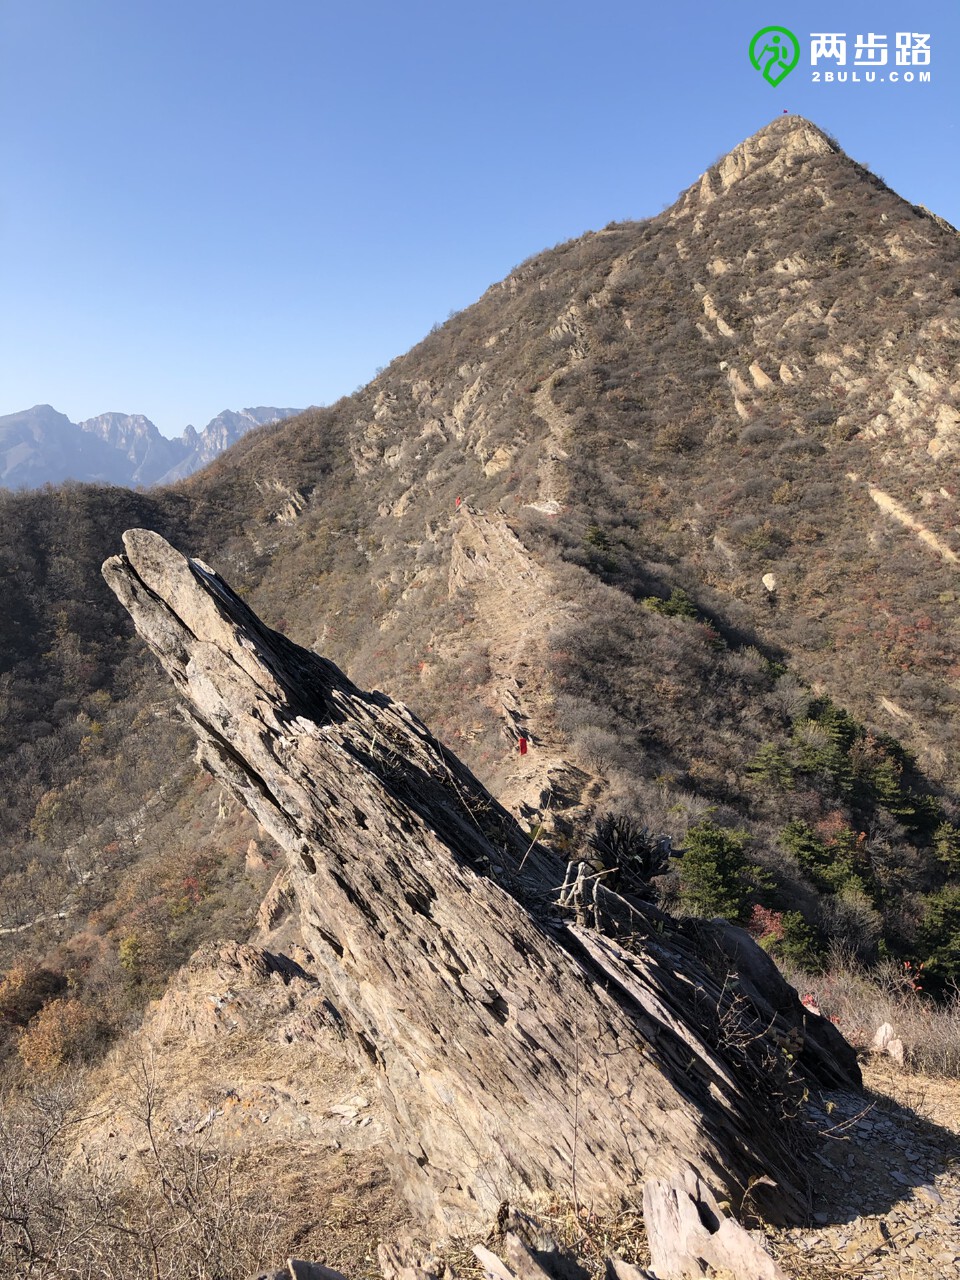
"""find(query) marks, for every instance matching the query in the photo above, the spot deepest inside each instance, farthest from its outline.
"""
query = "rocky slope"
(702, 558)
(720, 401)
(611, 443)
(749, 398)
(463, 965)
(723, 393)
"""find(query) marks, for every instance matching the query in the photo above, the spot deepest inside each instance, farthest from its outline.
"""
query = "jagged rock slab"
(516, 1054)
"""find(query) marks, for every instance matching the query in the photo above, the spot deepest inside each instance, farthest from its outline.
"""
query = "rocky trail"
(521, 606)
(888, 1204)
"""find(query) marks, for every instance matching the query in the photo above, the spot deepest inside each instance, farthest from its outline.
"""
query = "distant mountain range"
(40, 446)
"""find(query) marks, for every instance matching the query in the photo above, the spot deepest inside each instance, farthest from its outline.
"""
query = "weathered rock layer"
(518, 1051)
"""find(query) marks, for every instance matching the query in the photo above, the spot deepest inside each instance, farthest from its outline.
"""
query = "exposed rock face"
(518, 1051)
(781, 144)
(242, 985)
(143, 455)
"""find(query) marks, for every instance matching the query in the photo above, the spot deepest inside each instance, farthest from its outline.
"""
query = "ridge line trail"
(552, 488)
(521, 606)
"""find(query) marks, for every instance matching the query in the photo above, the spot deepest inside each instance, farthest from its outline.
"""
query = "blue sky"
(217, 203)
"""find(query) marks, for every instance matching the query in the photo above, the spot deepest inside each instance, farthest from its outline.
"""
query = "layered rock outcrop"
(531, 1033)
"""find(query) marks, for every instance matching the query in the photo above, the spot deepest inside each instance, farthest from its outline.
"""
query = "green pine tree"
(946, 845)
(713, 871)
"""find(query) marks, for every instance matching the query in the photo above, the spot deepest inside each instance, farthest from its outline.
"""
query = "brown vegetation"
(662, 413)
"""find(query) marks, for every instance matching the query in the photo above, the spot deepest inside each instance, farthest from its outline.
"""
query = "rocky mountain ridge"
(675, 499)
(611, 446)
(41, 446)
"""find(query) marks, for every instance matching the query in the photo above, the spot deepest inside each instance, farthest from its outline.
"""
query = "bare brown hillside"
(719, 391)
(645, 426)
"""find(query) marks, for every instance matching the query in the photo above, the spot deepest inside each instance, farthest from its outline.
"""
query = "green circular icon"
(774, 52)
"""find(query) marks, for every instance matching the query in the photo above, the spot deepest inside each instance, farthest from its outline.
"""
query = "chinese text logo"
(870, 50)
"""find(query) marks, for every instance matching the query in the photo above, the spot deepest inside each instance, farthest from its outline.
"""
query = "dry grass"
(860, 1001)
(586, 1236)
(593, 1237)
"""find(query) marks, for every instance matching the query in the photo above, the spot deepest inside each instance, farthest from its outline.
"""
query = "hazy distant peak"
(118, 428)
(40, 445)
(40, 414)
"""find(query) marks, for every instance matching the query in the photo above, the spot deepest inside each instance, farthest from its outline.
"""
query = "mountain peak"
(781, 147)
(784, 142)
(795, 133)
(40, 445)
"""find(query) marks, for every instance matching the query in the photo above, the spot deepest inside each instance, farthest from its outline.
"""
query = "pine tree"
(713, 870)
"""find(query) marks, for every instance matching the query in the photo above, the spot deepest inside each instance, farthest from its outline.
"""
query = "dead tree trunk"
(521, 1048)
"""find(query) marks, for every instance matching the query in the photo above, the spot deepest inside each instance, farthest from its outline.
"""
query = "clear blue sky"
(216, 203)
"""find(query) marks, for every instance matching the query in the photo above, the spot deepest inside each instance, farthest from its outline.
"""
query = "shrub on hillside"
(713, 873)
(25, 990)
(63, 1031)
(940, 932)
(860, 1000)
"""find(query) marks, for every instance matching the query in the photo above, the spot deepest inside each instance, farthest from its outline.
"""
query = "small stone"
(884, 1034)
(877, 1234)
(930, 1193)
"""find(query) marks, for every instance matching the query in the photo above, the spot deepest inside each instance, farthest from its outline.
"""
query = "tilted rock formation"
(523, 1045)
